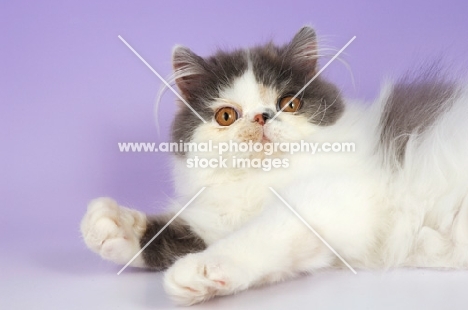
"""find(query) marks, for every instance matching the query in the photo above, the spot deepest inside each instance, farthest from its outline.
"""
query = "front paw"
(113, 231)
(199, 277)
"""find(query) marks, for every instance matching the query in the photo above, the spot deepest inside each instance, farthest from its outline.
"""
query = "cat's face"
(239, 93)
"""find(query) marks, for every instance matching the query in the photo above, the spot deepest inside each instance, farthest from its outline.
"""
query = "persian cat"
(399, 199)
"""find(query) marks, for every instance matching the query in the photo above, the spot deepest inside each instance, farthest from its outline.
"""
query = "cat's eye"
(226, 116)
(288, 104)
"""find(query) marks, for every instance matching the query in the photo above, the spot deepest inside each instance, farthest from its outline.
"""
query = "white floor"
(66, 276)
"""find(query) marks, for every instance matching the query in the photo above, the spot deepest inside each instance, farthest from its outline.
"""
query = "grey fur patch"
(290, 67)
(414, 104)
(174, 242)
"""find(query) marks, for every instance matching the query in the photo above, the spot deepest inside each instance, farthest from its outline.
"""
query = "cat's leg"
(175, 241)
(117, 233)
(271, 248)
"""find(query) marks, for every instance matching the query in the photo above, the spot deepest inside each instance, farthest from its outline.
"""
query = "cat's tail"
(423, 144)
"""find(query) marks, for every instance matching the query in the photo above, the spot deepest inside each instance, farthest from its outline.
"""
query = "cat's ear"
(303, 49)
(188, 70)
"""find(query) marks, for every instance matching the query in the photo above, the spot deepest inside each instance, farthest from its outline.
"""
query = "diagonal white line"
(160, 77)
(313, 230)
(314, 77)
(162, 229)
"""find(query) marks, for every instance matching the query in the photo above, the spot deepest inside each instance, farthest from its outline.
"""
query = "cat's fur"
(401, 199)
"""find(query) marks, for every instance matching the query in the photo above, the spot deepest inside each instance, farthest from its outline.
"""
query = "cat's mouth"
(265, 139)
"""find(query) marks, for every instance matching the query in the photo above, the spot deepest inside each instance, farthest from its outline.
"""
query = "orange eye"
(285, 104)
(226, 116)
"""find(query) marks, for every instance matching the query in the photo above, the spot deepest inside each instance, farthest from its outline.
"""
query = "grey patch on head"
(208, 76)
(172, 243)
(413, 106)
(288, 68)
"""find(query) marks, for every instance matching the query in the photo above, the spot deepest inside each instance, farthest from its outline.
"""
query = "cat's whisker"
(324, 110)
(180, 73)
(327, 107)
(348, 68)
(312, 117)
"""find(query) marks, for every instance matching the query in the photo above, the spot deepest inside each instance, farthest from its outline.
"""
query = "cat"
(400, 199)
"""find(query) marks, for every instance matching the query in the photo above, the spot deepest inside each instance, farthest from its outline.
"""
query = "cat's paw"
(113, 231)
(199, 277)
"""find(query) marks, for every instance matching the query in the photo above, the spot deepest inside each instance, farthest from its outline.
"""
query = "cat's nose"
(263, 117)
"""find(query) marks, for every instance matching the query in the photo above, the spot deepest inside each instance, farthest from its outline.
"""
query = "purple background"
(70, 90)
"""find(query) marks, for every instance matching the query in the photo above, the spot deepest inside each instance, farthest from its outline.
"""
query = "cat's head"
(238, 93)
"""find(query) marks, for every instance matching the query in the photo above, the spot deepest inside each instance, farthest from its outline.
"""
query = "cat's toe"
(113, 231)
(198, 277)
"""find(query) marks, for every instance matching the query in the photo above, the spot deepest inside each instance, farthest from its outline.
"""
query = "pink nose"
(259, 118)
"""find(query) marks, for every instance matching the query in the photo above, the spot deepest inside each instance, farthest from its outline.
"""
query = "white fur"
(373, 216)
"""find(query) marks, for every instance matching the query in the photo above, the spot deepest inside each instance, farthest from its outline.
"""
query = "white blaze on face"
(250, 96)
